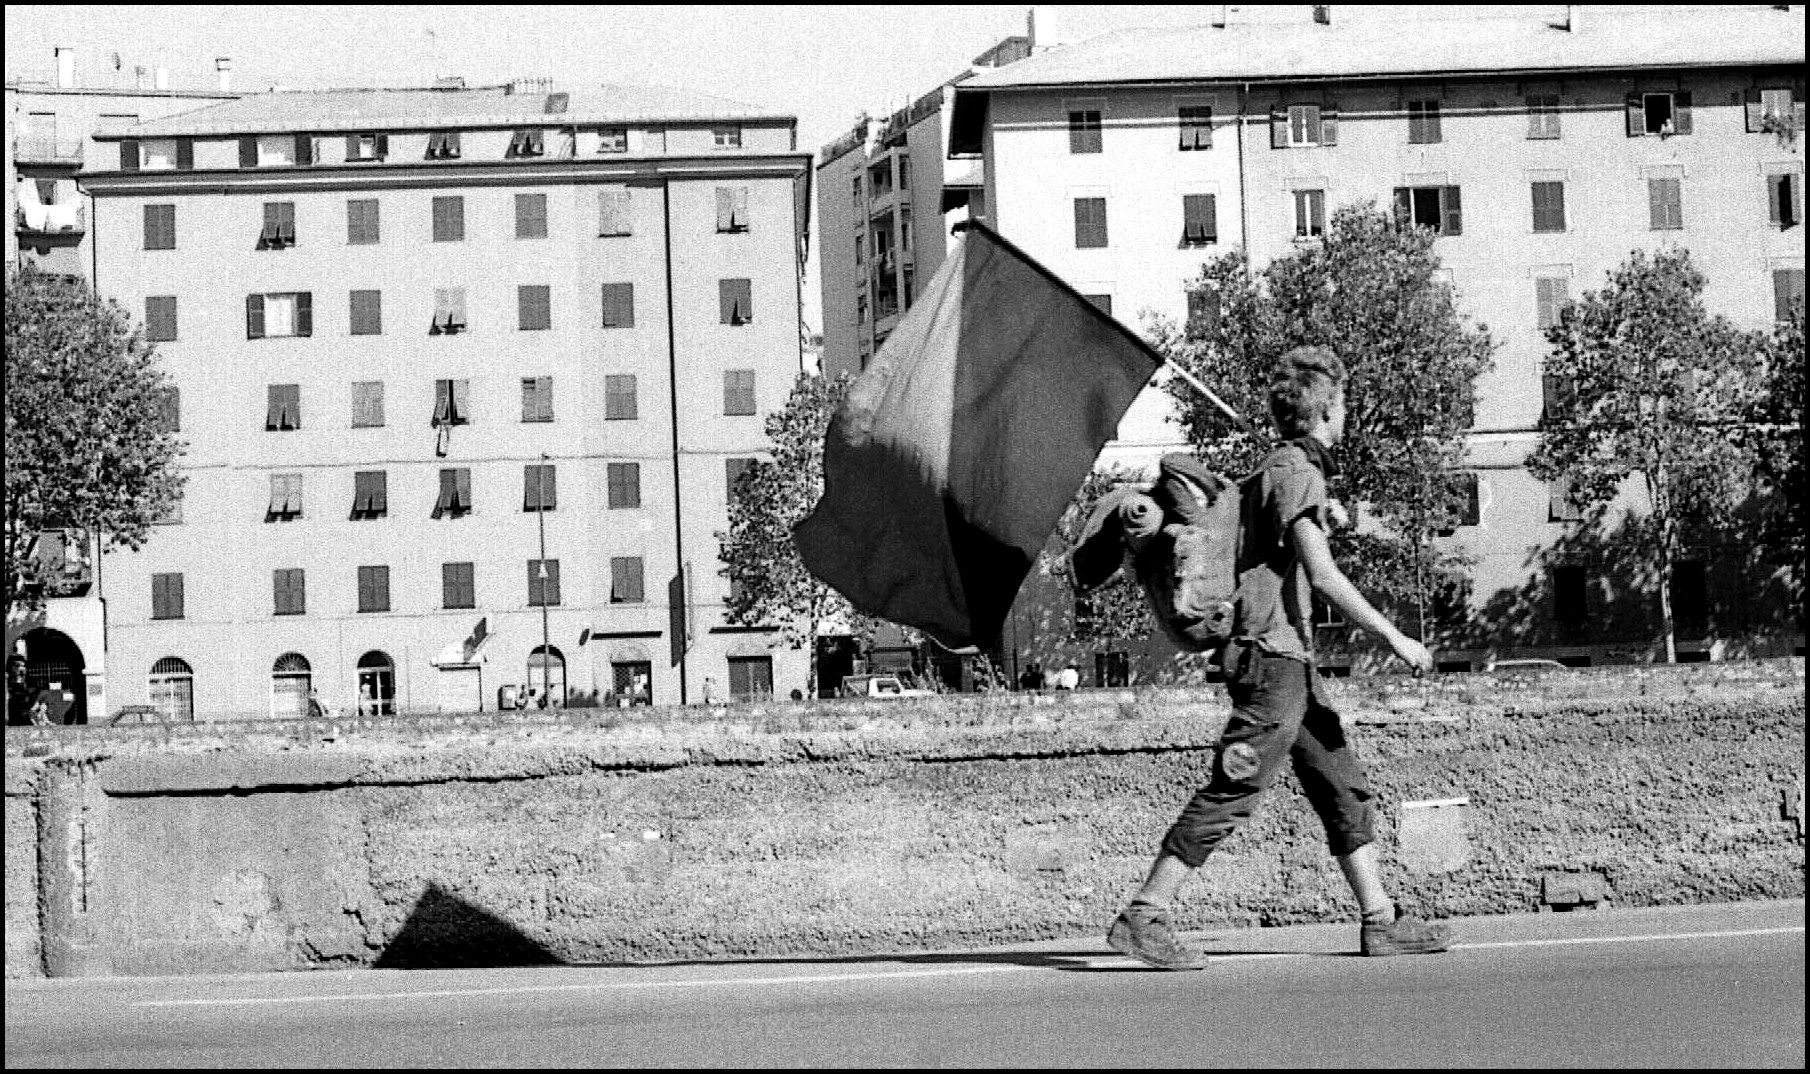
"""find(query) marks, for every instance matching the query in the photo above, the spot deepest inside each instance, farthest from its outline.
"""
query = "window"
(455, 493)
(361, 222)
(626, 580)
(1103, 303)
(525, 143)
(540, 487)
(160, 318)
(731, 209)
(537, 398)
(619, 305)
(370, 494)
(169, 410)
(612, 140)
(1543, 115)
(613, 213)
(376, 684)
(1570, 596)
(904, 172)
(1784, 200)
(1203, 313)
(531, 216)
(449, 219)
(726, 137)
(1663, 114)
(1559, 507)
(367, 404)
(1196, 122)
(277, 315)
(543, 582)
(1690, 599)
(1327, 615)
(733, 469)
(1310, 214)
(1548, 206)
(1550, 295)
(624, 484)
(1469, 506)
(160, 227)
(1090, 223)
(1200, 220)
(1769, 107)
(534, 307)
(166, 596)
(633, 679)
(1112, 668)
(751, 678)
(285, 407)
(738, 392)
(1303, 125)
(278, 232)
(1084, 131)
(291, 591)
(373, 589)
(285, 498)
(167, 154)
(449, 311)
(290, 684)
(857, 189)
(1437, 207)
(736, 301)
(275, 149)
(1787, 293)
(443, 145)
(619, 397)
(452, 402)
(457, 589)
(1423, 122)
(367, 313)
(366, 147)
(172, 688)
(1665, 204)
(1555, 401)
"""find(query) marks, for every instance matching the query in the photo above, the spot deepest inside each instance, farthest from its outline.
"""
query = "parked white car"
(878, 686)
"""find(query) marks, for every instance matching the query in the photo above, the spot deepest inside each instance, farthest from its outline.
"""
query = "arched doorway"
(376, 684)
(53, 662)
(173, 689)
(548, 661)
(291, 681)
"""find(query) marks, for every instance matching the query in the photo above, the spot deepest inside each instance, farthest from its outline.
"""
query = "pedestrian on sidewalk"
(1069, 677)
(1280, 707)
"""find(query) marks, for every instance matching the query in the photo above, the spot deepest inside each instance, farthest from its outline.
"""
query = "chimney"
(163, 78)
(1323, 14)
(1045, 28)
(1574, 18)
(223, 67)
(65, 66)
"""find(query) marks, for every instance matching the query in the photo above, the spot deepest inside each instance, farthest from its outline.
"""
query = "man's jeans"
(1280, 710)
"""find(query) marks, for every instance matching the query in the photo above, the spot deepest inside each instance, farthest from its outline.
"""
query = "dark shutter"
(351, 147)
(1278, 128)
(1329, 125)
(383, 146)
(1754, 114)
(128, 155)
(1451, 211)
(254, 316)
(185, 154)
(304, 149)
(1681, 113)
(1637, 116)
(248, 152)
(304, 313)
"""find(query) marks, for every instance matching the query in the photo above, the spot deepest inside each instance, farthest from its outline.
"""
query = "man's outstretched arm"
(1330, 582)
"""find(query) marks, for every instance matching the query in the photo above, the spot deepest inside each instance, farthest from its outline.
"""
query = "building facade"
(1541, 149)
(417, 337)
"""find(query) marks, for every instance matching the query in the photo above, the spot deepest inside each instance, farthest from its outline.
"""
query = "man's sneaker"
(1143, 932)
(1406, 936)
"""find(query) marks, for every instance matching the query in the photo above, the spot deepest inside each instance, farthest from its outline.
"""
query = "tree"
(768, 582)
(1651, 384)
(1369, 291)
(1779, 457)
(85, 440)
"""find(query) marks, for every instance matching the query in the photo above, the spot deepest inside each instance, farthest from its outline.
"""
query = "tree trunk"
(1667, 554)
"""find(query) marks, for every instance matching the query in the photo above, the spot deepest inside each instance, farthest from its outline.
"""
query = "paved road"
(1674, 987)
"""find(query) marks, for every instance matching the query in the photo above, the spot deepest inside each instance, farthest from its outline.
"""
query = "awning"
(467, 650)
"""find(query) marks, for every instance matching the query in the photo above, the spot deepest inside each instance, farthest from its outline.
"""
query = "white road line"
(841, 978)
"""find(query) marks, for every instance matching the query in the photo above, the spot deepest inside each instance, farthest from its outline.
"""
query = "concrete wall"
(859, 826)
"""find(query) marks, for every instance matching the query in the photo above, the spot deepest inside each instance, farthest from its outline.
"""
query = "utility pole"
(546, 647)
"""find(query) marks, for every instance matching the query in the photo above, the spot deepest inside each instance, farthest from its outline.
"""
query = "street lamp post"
(546, 648)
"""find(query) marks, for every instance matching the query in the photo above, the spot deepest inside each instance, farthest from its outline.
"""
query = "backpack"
(1182, 536)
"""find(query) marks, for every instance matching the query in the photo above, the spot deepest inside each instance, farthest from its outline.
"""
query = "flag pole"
(1195, 381)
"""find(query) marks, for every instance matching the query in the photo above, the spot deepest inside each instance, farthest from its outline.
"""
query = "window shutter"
(1637, 119)
(304, 149)
(462, 487)
(461, 401)
(254, 316)
(1278, 128)
(352, 147)
(1754, 115)
(128, 155)
(383, 146)
(380, 492)
(1404, 206)
(1329, 125)
(725, 209)
(1451, 212)
(1473, 501)
(549, 492)
(1681, 113)
(304, 313)
(248, 152)
(1778, 199)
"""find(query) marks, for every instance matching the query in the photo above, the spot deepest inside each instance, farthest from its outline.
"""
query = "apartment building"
(48, 124)
(1542, 149)
(464, 377)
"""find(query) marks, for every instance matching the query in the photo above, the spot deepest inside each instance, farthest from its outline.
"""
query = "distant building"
(407, 328)
(1541, 149)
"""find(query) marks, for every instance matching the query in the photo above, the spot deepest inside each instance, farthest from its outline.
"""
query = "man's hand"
(1413, 653)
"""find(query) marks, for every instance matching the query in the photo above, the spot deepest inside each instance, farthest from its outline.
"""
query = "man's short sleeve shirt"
(1275, 598)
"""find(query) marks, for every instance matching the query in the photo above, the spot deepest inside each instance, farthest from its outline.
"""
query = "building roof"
(1269, 51)
(417, 109)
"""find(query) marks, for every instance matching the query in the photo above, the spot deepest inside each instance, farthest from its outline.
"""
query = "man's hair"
(1303, 384)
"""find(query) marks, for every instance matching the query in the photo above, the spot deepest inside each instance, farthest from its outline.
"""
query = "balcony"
(42, 224)
(46, 150)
